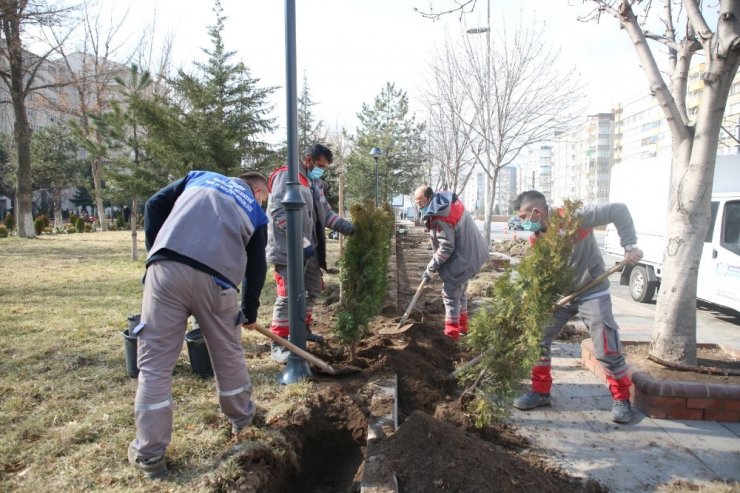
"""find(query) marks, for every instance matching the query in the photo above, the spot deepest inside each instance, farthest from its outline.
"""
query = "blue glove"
(426, 275)
(308, 252)
(349, 229)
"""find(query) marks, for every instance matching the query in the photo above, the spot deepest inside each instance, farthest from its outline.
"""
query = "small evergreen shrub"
(120, 223)
(38, 226)
(70, 229)
(3, 231)
(363, 275)
(508, 330)
(80, 225)
(9, 221)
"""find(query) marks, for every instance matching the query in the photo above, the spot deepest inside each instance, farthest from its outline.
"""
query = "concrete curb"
(673, 399)
(377, 476)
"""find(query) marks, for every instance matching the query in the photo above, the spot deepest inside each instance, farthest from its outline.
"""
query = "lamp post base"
(296, 370)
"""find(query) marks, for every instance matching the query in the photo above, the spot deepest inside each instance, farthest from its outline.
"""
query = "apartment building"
(536, 172)
(582, 158)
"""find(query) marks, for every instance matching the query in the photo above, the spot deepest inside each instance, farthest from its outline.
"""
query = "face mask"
(530, 225)
(316, 173)
(424, 210)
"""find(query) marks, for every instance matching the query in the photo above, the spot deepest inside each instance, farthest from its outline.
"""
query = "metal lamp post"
(375, 152)
(296, 368)
(487, 30)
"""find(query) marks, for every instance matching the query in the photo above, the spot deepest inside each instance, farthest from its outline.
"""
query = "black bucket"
(129, 345)
(200, 361)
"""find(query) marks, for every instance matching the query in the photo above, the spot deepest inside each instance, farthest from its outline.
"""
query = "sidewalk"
(577, 432)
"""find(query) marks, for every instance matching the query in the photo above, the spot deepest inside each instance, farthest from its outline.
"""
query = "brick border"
(673, 399)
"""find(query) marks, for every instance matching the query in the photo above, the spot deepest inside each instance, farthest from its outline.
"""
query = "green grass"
(66, 403)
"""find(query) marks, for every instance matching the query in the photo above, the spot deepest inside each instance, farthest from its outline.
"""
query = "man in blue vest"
(203, 233)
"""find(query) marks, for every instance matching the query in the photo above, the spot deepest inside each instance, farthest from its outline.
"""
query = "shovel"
(562, 302)
(321, 365)
(402, 325)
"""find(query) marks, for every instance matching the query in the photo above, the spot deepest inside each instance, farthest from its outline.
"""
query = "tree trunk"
(488, 214)
(674, 334)
(56, 198)
(134, 221)
(21, 128)
(97, 174)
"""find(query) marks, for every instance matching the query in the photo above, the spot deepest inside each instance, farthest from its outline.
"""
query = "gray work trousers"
(313, 284)
(172, 292)
(604, 331)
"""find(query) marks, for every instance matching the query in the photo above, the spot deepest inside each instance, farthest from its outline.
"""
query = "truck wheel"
(641, 289)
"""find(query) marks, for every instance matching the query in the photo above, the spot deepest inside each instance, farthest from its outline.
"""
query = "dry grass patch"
(66, 403)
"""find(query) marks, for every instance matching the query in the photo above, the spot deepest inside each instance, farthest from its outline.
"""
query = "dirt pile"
(462, 462)
(514, 248)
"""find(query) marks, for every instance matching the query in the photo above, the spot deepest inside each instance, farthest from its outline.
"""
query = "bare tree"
(694, 148)
(515, 99)
(91, 67)
(21, 72)
(451, 145)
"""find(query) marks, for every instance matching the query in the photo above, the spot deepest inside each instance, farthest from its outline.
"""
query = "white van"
(643, 186)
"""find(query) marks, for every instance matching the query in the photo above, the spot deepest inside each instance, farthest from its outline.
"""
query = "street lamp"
(487, 30)
(375, 152)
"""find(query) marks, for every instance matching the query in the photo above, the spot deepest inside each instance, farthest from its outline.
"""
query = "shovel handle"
(567, 299)
(413, 302)
(325, 367)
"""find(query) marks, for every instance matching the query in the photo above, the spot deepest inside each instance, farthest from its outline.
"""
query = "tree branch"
(657, 85)
(662, 39)
(461, 6)
(697, 21)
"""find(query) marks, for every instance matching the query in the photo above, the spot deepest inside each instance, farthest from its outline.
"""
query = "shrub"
(9, 221)
(508, 330)
(363, 275)
(3, 231)
(69, 229)
(38, 226)
(80, 225)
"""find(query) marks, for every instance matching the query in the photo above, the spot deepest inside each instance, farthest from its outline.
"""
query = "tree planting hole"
(331, 457)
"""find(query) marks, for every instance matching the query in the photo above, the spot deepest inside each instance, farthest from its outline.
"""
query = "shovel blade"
(399, 329)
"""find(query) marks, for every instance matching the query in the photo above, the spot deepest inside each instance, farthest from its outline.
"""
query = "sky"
(349, 49)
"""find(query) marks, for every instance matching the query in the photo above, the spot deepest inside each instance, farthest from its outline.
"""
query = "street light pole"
(487, 104)
(375, 152)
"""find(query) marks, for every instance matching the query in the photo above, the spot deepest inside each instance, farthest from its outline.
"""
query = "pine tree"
(386, 124)
(217, 115)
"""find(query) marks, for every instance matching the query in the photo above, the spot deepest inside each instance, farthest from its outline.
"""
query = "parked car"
(515, 224)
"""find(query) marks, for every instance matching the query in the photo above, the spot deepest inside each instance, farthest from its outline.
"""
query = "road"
(636, 319)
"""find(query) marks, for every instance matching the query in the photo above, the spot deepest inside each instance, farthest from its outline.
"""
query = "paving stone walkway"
(578, 433)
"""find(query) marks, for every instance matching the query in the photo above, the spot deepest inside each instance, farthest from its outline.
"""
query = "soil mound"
(462, 462)
(513, 248)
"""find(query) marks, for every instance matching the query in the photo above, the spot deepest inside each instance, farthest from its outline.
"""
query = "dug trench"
(320, 447)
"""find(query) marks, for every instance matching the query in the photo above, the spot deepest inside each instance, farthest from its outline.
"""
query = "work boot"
(311, 337)
(152, 468)
(279, 353)
(531, 400)
(622, 411)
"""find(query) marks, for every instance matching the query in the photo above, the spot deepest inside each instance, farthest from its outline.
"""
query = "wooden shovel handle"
(325, 367)
(413, 302)
(567, 299)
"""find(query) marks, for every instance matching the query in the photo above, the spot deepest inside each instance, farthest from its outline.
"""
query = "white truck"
(643, 186)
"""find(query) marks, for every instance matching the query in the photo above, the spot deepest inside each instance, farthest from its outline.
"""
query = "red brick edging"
(673, 399)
